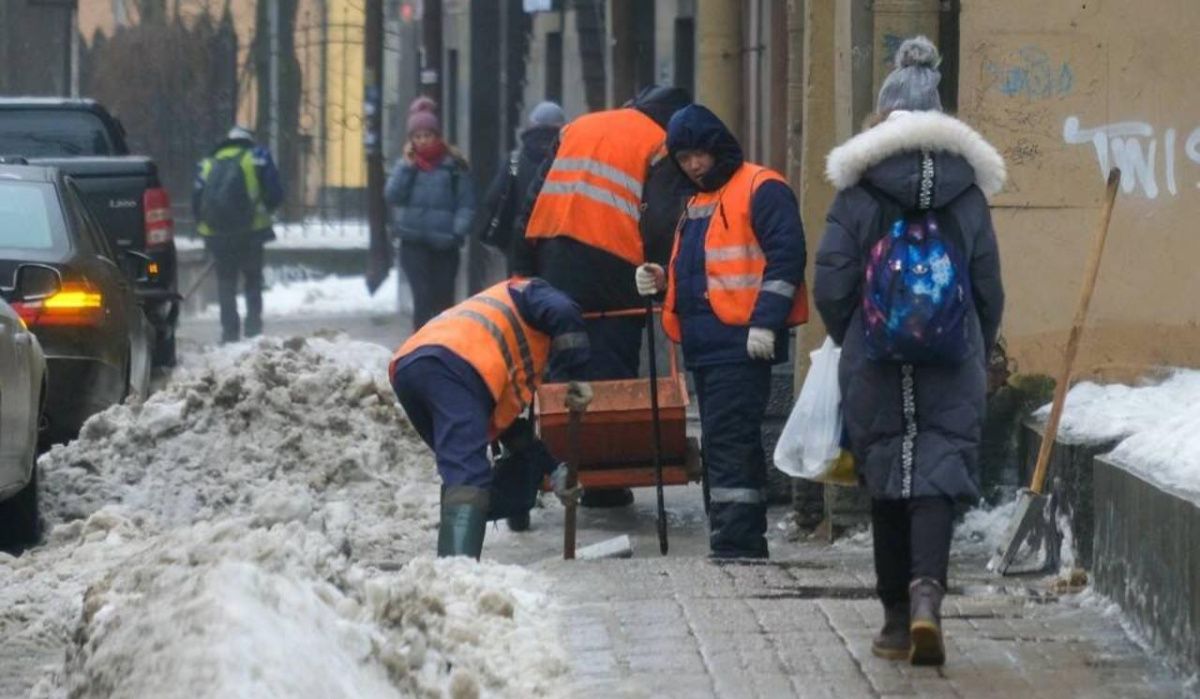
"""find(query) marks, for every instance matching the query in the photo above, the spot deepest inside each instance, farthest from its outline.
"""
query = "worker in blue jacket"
(465, 380)
(735, 286)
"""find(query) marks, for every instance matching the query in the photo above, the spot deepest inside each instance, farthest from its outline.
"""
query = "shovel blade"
(1030, 544)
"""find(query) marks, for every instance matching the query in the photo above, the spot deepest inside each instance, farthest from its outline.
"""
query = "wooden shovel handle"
(1085, 298)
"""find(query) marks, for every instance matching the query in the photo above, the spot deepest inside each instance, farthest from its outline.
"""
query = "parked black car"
(75, 291)
(123, 191)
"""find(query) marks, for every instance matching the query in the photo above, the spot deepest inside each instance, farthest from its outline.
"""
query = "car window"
(29, 218)
(49, 133)
(88, 228)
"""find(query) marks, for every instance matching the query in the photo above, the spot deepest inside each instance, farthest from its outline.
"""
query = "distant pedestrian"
(432, 200)
(735, 285)
(236, 190)
(908, 282)
(498, 212)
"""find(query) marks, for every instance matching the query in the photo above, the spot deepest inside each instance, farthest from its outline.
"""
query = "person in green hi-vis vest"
(236, 190)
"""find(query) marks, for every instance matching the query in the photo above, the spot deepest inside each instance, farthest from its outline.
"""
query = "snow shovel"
(658, 469)
(1034, 529)
(576, 417)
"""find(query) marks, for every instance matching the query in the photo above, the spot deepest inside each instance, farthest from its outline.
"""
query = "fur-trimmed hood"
(887, 155)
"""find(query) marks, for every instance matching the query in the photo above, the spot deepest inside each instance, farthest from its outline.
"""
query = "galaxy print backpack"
(916, 292)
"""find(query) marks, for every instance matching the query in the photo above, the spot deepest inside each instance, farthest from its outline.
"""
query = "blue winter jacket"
(433, 208)
(775, 218)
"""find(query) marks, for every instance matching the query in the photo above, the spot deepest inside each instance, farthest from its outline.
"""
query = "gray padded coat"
(914, 429)
(434, 208)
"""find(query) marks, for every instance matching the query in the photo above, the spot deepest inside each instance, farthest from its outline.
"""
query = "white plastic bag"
(811, 441)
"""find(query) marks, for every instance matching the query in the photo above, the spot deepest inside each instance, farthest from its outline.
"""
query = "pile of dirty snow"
(1156, 427)
(233, 609)
(278, 430)
(257, 528)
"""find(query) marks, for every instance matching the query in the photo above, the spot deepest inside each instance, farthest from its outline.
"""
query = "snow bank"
(330, 296)
(228, 609)
(1157, 426)
(226, 538)
(275, 429)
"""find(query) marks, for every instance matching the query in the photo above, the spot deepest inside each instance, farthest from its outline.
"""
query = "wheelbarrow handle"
(658, 468)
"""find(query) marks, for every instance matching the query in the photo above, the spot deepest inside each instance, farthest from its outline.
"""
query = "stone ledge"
(1147, 558)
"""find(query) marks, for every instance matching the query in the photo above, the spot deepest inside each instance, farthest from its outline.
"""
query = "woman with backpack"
(908, 283)
(432, 202)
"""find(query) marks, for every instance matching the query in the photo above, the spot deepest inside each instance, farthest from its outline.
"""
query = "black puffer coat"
(914, 430)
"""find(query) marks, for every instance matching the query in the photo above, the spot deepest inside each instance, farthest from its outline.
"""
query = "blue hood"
(695, 127)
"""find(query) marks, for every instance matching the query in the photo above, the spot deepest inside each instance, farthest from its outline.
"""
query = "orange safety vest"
(593, 191)
(733, 260)
(488, 332)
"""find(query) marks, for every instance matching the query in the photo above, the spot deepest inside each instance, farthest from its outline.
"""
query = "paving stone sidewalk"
(687, 627)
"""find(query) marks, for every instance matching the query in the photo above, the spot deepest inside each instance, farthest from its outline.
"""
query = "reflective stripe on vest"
(733, 260)
(262, 217)
(593, 190)
(488, 332)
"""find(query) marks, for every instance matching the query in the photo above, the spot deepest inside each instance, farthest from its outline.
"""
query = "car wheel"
(20, 522)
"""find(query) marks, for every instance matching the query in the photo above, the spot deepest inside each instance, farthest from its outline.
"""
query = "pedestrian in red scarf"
(432, 201)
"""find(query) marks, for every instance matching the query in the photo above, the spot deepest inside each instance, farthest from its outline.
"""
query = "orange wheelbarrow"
(633, 435)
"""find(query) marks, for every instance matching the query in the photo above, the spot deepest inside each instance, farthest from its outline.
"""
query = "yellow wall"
(342, 128)
(346, 166)
(1065, 89)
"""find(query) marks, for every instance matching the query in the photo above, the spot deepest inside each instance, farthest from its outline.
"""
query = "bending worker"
(467, 375)
(735, 287)
(607, 202)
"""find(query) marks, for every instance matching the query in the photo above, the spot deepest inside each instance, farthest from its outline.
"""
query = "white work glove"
(760, 343)
(558, 483)
(579, 396)
(650, 279)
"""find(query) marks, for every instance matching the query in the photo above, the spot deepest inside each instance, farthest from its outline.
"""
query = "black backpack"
(225, 204)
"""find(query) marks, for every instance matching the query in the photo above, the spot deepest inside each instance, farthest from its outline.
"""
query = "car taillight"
(77, 304)
(160, 227)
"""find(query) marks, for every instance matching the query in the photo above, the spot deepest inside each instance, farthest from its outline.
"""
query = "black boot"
(925, 625)
(464, 521)
(600, 499)
(893, 641)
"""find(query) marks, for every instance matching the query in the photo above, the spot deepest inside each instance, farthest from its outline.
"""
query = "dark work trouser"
(431, 274)
(451, 418)
(733, 400)
(912, 540)
(244, 259)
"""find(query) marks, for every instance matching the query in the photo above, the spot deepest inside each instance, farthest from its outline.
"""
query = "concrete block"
(1146, 558)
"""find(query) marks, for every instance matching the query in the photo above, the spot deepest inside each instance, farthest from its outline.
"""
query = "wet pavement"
(802, 624)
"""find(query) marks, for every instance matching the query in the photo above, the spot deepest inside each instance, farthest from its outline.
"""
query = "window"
(52, 133)
(28, 217)
(89, 230)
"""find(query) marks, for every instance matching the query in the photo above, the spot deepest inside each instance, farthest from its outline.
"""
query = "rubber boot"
(463, 523)
(893, 642)
(925, 625)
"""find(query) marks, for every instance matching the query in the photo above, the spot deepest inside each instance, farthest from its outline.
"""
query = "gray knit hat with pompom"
(913, 84)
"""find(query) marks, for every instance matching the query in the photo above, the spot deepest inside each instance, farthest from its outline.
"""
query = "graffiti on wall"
(1134, 146)
(1030, 73)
